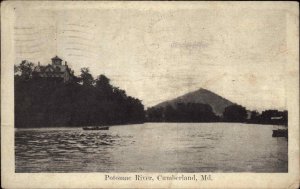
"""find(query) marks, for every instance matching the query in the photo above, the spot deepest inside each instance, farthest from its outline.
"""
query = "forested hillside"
(84, 101)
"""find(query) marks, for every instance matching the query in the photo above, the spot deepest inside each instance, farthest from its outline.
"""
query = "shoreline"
(120, 125)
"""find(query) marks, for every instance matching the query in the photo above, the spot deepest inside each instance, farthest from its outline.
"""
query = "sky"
(159, 54)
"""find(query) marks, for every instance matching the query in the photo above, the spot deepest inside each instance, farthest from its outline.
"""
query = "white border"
(10, 179)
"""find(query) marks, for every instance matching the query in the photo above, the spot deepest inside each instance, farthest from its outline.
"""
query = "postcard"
(156, 94)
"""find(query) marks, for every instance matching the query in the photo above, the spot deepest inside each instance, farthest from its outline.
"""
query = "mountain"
(203, 96)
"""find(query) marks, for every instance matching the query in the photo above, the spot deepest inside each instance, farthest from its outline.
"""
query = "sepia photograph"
(125, 87)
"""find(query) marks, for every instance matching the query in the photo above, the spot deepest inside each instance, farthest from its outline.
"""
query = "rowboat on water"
(96, 128)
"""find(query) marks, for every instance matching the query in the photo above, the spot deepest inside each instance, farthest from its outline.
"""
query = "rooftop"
(56, 58)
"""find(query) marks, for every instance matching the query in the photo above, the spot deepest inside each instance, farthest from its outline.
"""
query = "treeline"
(237, 113)
(81, 102)
(190, 112)
(273, 117)
(197, 112)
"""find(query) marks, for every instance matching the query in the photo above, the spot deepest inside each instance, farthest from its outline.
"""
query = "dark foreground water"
(152, 147)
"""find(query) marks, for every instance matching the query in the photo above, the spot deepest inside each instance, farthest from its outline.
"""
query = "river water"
(152, 147)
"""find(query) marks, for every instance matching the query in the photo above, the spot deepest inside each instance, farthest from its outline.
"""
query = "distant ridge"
(203, 96)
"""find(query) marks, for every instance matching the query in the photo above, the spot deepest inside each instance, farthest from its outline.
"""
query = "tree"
(155, 114)
(86, 78)
(102, 82)
(235, 113)
(16, 69)
(103, 85)
(25, 70)
(170, 113)
(254, 117)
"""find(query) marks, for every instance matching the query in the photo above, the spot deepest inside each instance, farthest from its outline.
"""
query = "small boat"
(280, 133)
(96, 128)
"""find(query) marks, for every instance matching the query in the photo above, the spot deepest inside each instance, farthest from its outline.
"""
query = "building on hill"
(55, 71)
